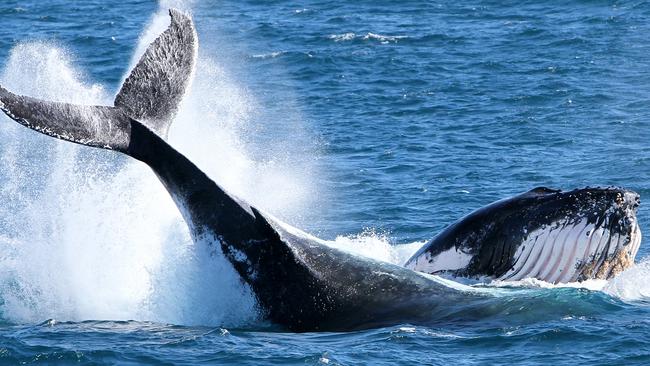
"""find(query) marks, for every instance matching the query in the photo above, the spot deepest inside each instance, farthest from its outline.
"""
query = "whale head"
(546, 234)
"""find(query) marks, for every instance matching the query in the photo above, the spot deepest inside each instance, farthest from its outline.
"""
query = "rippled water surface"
(373, 124)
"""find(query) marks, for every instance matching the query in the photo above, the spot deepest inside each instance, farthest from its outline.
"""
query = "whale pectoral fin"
(264, 226)
(97, 126)
(155, 87)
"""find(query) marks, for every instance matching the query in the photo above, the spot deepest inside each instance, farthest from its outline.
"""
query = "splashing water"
(378, 246)
(632, 284)
(104, 240)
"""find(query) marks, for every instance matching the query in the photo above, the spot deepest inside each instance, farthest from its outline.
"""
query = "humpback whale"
(299, 282)
(546, 234)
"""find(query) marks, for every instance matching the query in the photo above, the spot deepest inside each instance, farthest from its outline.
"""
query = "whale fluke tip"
(152, 92)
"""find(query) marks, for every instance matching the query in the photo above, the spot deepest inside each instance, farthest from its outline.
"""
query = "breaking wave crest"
(350, 36)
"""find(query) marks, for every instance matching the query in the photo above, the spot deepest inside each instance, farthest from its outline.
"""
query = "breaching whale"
(546, 234)
(298, 281)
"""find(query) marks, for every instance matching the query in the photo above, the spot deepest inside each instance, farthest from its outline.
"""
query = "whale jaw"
(550, 235)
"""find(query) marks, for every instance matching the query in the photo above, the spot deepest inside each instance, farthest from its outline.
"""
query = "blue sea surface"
(374, 124)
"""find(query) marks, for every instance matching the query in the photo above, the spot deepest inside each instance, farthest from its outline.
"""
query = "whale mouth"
(597, 241)
(546, 234)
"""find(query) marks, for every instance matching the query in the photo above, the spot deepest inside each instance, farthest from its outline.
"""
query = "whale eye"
(544, 190)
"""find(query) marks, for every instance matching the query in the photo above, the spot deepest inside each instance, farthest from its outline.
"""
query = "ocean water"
(372, 124)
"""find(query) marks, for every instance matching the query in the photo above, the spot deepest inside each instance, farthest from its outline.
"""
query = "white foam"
(368, 243)
(594, 285)
(376, 246)
(268, 55)
(632, 284)
(342, 37)
(349, 36)
(383, 38)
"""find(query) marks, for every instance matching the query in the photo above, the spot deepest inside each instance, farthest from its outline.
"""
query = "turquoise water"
(371, 124)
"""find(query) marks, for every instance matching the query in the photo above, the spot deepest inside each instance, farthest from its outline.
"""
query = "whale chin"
(546, 234)
(567, 252)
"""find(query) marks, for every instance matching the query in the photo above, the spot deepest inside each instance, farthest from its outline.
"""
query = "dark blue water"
(370, 123)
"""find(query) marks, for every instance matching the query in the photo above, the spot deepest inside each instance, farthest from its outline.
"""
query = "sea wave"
(350, 36)
(268, 55)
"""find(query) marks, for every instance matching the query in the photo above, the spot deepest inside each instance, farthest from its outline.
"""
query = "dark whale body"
(299, 282)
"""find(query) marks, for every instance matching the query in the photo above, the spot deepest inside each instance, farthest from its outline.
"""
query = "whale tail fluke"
(151, 94)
